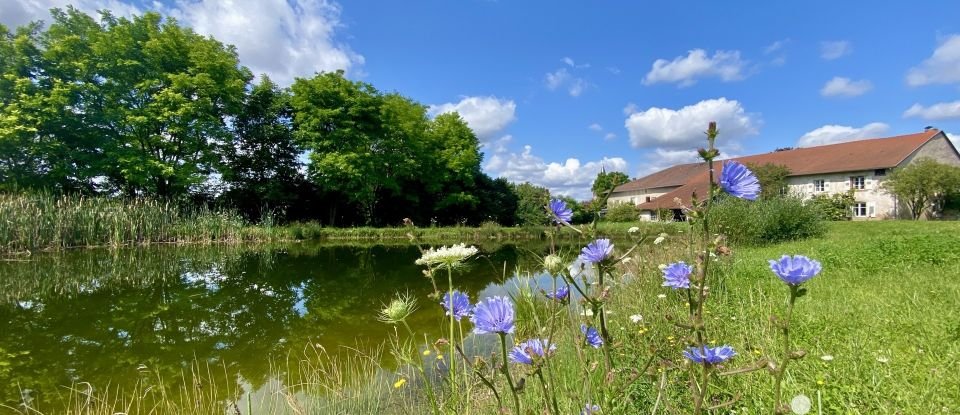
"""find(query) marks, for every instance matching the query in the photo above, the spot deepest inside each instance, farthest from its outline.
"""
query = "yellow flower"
(426, 352)
(399, 383)
(439, 357)
(820, 382)
(670, 338)
(757, 352)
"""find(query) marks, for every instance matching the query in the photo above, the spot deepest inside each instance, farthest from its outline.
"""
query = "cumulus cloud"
(943, 67)
(563, 79)
(686, 70)
(282, 38)
(940, 111)
(630, 108)
(835, 49)
(486, 116)
(830, 134)
(845, 87)
(570, 178)
(683, 128)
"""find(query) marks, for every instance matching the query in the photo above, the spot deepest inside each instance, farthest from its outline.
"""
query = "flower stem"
(506, 372)
(603, 321)
(785, 359)
(546, 395)
(451, 343)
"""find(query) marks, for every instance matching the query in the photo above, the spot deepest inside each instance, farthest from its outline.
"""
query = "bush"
(767, 221)
(623, 212)
(835, 206)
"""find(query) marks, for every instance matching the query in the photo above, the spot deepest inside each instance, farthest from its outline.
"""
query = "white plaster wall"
(638, 196)
(880, 204)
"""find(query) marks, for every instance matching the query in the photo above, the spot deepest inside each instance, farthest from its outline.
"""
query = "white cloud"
(571, 177)
(685, 70)
(660, 159)
(487, 116)
(775, 46)
(955, 138)
(562, 78)
(829, 134)
(614, 70)
(940, 111)
(836, 49)
(683, 128)
(609, 136)
(630, 108)
(595, 127)
(943, 67)
(845, 87)
(570, 62)
(282, 38)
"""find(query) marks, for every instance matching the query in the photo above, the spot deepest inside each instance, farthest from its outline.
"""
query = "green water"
(113, 318)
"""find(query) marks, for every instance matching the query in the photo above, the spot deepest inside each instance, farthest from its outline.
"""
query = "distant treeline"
(145, 108)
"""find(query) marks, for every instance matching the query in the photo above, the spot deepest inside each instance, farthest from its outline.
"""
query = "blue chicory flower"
(677, 275)
(737, 180)
(709, 355)
(593, 337)
(560, 295)
(597, 251)
(460, 305)
(561, 213)
(590, 409)
(524, 353)
(795, 270)
(493, 315)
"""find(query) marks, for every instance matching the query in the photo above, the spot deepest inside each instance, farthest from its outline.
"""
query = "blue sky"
(557, 89)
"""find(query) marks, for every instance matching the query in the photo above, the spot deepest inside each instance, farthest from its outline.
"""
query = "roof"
(669, 177)
(877, 153)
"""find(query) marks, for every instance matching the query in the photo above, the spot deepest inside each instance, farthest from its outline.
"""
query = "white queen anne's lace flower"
(448, 256)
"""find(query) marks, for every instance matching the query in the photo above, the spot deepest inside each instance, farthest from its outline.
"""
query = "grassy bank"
(30, 222)
(879, 327)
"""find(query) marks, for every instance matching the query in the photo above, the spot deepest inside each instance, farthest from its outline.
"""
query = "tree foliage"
(772, 178)
(835, 206)
(608, 181)
(921, 184)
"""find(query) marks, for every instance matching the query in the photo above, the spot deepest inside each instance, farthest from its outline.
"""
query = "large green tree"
(531, 204)
(606, 182)
(772, 178)
(921, 183)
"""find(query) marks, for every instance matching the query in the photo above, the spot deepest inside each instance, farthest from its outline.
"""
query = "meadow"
(879, 328)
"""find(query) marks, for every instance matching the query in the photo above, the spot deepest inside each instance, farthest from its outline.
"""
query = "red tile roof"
(877, 153)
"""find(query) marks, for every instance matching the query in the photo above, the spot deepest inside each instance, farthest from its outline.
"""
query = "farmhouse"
(861, 166)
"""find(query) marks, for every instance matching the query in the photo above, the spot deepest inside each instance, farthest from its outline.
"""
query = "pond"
(113, 318)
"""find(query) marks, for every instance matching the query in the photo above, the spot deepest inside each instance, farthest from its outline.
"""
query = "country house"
(861, 166)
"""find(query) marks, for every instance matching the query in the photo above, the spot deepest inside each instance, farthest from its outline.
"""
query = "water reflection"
(131, 318)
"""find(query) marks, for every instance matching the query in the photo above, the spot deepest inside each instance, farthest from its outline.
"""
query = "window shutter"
(871, 209)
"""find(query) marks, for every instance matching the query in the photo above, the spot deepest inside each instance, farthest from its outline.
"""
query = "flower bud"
(554, 264)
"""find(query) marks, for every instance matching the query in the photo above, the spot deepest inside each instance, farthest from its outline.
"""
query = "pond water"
(114, 317)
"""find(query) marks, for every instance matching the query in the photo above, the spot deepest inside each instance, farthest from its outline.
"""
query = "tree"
(772, 178)
(608, 181)
(922, 183)
(531, 204)
(260, 163)
(835, 206)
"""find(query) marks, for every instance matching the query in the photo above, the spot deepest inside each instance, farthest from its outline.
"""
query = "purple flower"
(796, 270)
(524, 353)
(460, 305)
(709, 355)
(677, 275)
(493, 315)
(739, 181)
(560, 295)
(561, 213)
(593, 337)
(589, 409)
(597, 251)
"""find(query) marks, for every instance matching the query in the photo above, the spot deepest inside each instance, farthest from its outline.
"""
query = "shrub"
(767, 221)
(623, 212)
(835, 206)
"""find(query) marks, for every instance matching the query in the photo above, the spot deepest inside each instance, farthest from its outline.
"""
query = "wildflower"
(820, 382)
(883, 359)
(660, 238)
(524, 353)
(709, 355)
(493, 315)
(448, 256)
(426, 352)
(597, 251)
(589, 409)
(553, 264)
(561, 213)
(737, 180)
(826, 358)
(458, 306)
(399, 383)
(677, 275)
(636, 318)
(398, 310)
(633, 229)
(795, 270)
(587, 313)
(661, 296)
(560, 295)
(593, 337)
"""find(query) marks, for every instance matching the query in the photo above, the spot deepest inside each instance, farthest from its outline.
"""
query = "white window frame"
(860, 207)
(819, 186)
(858, 182)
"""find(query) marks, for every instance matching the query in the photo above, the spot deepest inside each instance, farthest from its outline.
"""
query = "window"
(819, 186)
(880, 172)
(651, 198)
(860, 209)
(857, 182)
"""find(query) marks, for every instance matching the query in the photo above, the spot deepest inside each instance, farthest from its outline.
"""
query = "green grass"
(885, 308)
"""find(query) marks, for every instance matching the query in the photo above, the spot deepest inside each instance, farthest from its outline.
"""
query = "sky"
(558, 90)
